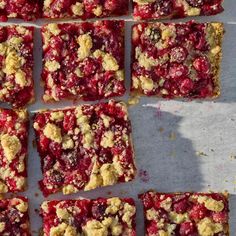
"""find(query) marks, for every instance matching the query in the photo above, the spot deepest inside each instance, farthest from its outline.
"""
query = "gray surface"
(168, 136)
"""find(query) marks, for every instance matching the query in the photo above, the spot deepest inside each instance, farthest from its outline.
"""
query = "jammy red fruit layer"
(13, 150)
(162, 9)
(182, 214)
(24, 9)
(173, 60)
(85, 147)
(83, 60)
(16, 65)
(100, 217)
(84, 8)
(14, 218)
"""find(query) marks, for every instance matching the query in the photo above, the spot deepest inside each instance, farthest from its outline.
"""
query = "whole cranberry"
(69, 122)
(48, 163)
(187, 229)
(164, 7)
(71, 160)
(55, 149)
(44, 142)
(198, 212)
(98, 210)
(220, 217)
(55, 177)
(178, 54)
(90, 5)
(181, 206)
(195, 3)
(110, 5)
(177, 70)
(186, 86)
(148, 201)
(14, 215)
(3, 34)
(90, 66)
(152, 228)
(202, 65)
(182, 30)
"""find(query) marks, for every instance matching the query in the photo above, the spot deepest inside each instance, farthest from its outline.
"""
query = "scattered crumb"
(233, 157)
(172, 136)
(123, 192)
(34, 143)
(36, 194)
(36, 210)
(109, 193)
(201, 154)
(173, 153)
(161, 129)
(133, 100)
(143, 175)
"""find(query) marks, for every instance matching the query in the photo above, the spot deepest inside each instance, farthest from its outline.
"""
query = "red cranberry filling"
(176, 60)
(16, 65)
(83, 60)
(14, 216)
(114, 215)
(97, 137)
(187, 214)
(175, 8)
(14, 135)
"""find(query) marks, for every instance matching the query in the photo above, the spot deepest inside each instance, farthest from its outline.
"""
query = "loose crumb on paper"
(144, 175)
(133, 100)
(201, 154)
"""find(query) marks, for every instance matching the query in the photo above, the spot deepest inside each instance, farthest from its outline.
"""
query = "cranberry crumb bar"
(83, 60)
(16, 65)
(100, 217)
(24, 9)
(14, 218)
(85, 147)
(162, 9)
(13, 150)
(196, 214)
(84, 8)
(173, 60)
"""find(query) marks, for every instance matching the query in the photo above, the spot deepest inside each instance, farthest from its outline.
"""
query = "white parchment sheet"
(179, 146)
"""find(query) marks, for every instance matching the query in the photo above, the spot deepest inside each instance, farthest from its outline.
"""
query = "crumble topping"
(78, 9)
(11, 146)
(53, 132)
(85, 147)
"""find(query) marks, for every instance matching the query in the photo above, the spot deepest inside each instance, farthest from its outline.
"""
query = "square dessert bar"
(13, 150)
(100, 217)
(16, 65)
(23, 9)
(85, 147)
(83, 60)
(203, 214)
(173, 60)
(84, 9)
(14, 218)
(162, 9)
